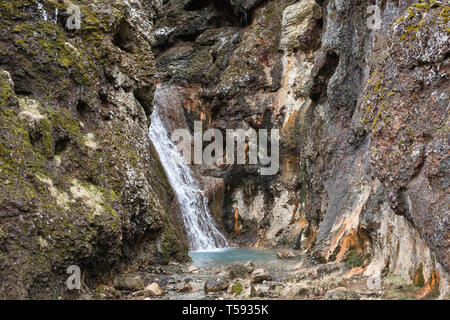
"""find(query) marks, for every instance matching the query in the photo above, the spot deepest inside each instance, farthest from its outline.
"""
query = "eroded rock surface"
(80, 183)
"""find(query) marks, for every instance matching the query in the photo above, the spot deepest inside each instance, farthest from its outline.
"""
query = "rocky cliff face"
(80, 183)
(363, 115)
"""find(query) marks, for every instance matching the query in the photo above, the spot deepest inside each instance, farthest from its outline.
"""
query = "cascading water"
(200, 228)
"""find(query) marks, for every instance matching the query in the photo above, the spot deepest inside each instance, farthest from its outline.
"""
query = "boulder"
(216, 284)
(238, 271)
(259, 275)
(130, 283)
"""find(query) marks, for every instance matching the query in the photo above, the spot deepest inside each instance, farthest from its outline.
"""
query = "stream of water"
(200, 227)
(228, 256)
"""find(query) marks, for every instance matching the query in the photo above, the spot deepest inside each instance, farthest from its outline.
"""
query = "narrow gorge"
(92, 92)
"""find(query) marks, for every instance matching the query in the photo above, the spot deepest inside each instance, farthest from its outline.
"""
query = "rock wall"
(80, 183)
(363, 115)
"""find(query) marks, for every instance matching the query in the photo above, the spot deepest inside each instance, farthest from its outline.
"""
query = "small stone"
(130, 283)
(154, 289)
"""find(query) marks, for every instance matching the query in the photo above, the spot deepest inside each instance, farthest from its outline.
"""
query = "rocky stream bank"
(283, 278)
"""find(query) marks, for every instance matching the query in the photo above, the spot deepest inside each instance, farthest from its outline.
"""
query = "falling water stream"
(200, 227)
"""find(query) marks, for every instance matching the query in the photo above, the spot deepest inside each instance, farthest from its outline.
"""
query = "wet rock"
(130, 283)
(216, 284)
(238, 271)
(154, 289)
(341, 293)
(286, 254)
(260, 275)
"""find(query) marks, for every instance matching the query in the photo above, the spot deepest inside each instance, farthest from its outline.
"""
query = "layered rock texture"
(361, 99)
(80, 183)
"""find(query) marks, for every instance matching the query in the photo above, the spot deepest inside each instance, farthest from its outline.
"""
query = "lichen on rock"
(80, 182)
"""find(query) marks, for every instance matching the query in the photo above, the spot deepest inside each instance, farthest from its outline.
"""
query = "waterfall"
(200, 227)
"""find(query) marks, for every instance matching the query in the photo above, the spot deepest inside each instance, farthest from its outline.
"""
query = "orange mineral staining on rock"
(350, 242)
(236, 221)
(355, 272)
(432, 288)
(303, 223)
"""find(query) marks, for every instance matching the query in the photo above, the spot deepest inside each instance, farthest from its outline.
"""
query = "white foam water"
(200, 227)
